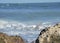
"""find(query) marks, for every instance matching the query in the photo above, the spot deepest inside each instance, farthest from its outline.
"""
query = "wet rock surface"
(10, 39)
(49, 35)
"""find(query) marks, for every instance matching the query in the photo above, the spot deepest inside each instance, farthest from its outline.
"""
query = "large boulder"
(10, 39)
(49, 35)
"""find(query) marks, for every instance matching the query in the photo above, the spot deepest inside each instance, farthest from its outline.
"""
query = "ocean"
(28, 19)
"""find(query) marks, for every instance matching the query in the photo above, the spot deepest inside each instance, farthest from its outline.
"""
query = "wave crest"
(28, 32)
(18, 25)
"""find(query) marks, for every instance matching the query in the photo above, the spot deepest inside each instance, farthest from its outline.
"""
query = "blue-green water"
(28, 19)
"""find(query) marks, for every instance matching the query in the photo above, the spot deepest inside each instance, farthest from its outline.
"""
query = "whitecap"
(29, 32)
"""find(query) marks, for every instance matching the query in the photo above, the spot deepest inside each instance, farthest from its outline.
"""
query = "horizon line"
(30, 2)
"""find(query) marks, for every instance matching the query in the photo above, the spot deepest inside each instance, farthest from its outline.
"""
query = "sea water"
(28, 19)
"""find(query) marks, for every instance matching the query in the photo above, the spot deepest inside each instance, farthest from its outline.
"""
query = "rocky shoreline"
(4, 38)
(47, 35)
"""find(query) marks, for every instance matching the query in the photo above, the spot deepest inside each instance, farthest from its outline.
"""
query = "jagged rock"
(49, 35)
(10, 39)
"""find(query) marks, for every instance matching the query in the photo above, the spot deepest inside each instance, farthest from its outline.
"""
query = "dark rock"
(37, 40)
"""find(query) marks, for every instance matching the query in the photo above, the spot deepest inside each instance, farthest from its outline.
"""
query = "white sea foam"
(21, 26)
(29, 32)
(17, 26)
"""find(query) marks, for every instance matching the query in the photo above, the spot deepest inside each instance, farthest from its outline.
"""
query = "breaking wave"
(28, 32)
(17, 25)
